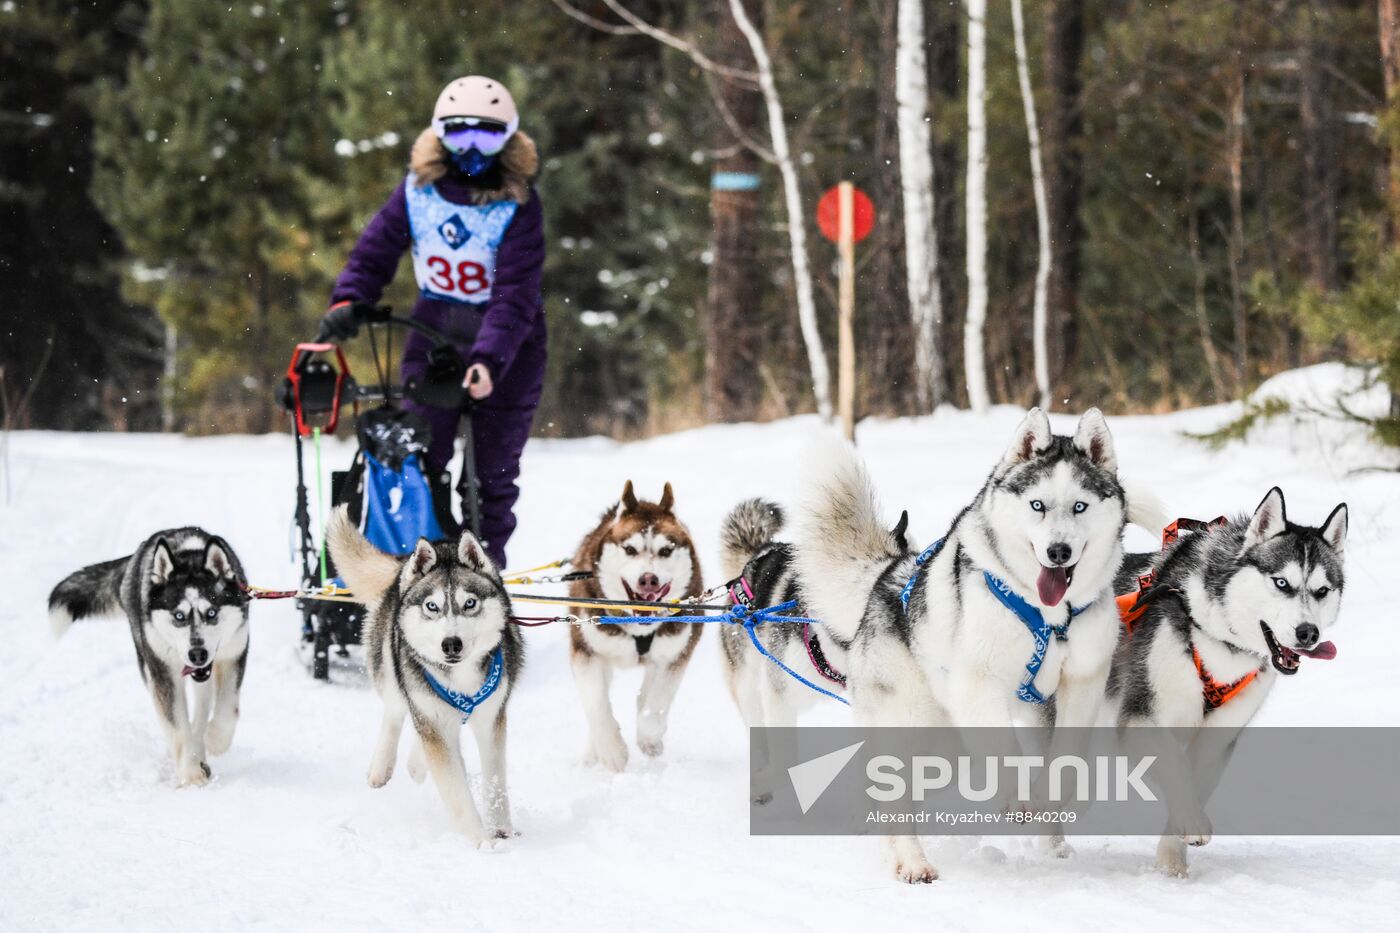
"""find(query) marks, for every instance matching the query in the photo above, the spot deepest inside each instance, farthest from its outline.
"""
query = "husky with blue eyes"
(441, 651)
(1213, 621)
(1008, 618)
(183, 593)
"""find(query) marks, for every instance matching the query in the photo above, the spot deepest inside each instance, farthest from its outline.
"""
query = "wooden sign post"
(854, 218)
(846, 310)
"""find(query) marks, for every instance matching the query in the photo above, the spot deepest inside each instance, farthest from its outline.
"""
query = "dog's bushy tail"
(368, 571)
(1144, 508)
(83, 594)
(842, 543)
(749, 527)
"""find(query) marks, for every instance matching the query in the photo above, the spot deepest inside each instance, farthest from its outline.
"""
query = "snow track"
(93, 836)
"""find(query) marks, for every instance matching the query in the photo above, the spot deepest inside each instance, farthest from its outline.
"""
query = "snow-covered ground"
(93, 835)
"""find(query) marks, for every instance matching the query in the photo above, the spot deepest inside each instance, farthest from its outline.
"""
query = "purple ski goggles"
(460, 134)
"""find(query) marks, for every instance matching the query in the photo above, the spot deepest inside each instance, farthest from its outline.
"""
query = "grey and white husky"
(1230, 608)
(949, 637)
(182, 591)
(441, 650)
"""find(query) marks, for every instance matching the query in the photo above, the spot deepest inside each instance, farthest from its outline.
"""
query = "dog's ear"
(1032, 437)
(217, 560)
(472, 555)
(420, 562)
(668, 498)
(162, 563)
(1334, 530)
(1269, 520)
(899, 530)
(629, 499)
(1093, 438)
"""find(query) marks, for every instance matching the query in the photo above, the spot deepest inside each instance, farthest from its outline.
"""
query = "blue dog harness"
(928, 554)
(1029, 615)
(1040, 631)
(467, 704)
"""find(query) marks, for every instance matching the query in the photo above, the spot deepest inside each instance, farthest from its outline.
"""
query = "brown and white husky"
(640, 552)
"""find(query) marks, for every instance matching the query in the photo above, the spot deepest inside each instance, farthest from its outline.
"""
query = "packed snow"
(94, 835)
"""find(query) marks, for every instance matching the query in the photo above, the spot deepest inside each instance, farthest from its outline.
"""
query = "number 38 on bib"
(454, 245)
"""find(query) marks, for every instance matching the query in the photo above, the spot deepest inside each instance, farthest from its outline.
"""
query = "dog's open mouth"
(643, 595)
(1053, 582)
(198, 674)
(1287, 660)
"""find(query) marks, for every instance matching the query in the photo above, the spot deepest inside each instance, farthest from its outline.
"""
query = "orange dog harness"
(1132, 606)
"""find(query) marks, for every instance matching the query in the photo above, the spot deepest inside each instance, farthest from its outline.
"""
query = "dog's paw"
(1194, 830)
(193, 772)
(220, 735)
(1171, 857)
(1056, 846)
(417, 766)
(916, 872)
(611, 753)
(379, 774)
(1173, 865)
(651, 747)
(505, 832)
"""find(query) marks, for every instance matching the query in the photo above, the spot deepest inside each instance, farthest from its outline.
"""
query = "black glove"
(343, 320)
(441, 385)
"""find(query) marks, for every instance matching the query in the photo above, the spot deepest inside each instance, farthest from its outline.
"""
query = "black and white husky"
(762, 572)
(1228, 610)
(442, 651)
(1014, 608)
(182, 591)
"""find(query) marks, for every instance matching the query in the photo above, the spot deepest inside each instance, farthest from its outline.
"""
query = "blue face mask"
(472, 162)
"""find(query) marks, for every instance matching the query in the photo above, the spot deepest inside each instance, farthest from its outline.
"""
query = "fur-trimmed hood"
(519, 162)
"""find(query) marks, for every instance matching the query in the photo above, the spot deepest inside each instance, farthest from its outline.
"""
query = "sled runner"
(391, 498)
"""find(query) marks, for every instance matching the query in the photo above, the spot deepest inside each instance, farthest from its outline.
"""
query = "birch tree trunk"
(974, 354)
(1039, 317)
(1234, 157)
(916, 179)
(792, 198)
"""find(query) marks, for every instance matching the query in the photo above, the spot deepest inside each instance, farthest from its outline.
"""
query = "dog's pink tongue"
(1323, 652)
(1051, 584)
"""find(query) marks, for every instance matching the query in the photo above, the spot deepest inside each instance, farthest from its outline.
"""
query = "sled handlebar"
(381, 314)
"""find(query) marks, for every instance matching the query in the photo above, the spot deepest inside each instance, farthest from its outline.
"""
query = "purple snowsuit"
(506, 332)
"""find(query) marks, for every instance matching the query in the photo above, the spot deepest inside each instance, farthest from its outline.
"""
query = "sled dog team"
(1033, 567)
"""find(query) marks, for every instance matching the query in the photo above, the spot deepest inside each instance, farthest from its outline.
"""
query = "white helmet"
(475, 112)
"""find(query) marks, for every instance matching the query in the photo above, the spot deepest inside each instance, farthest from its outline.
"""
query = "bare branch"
(681, 45)
(574, 12)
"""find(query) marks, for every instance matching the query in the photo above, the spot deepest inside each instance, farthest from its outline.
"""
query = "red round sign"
(829, 214)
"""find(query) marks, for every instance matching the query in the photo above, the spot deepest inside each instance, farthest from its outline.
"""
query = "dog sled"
(386, 486)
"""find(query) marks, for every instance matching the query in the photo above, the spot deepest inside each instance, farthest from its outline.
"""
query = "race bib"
(454, 245)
